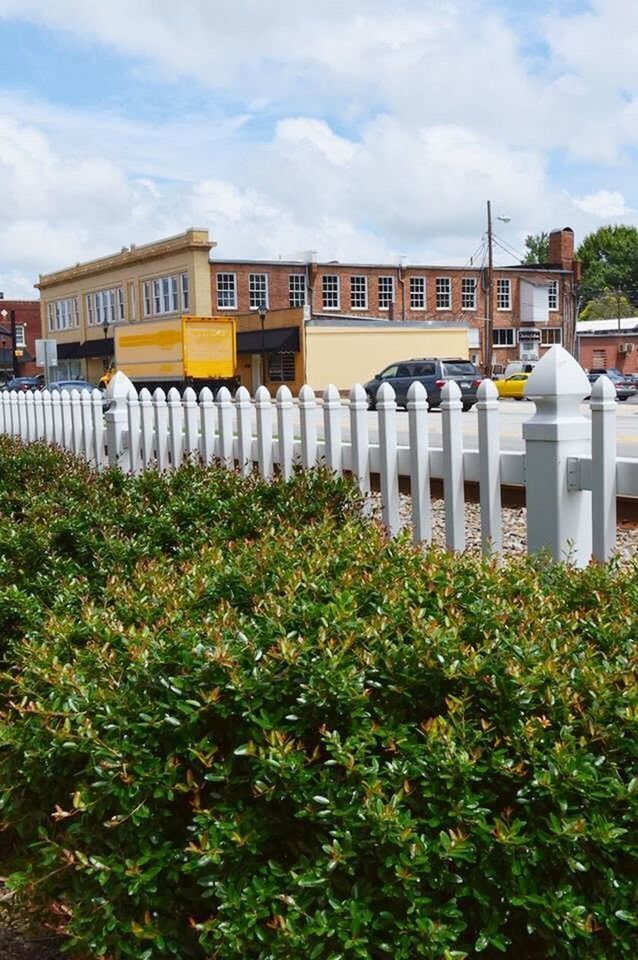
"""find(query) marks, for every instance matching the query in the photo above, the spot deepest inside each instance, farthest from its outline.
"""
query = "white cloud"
(360, 130)
(604, 204)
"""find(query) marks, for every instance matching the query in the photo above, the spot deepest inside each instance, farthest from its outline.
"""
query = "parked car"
(24, 384)
(513, 366)
(625, 388)
(433, 373)
(513, 386)
(57, 386)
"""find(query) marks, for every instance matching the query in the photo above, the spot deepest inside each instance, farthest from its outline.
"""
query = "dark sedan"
(624, 386)
(24, 384)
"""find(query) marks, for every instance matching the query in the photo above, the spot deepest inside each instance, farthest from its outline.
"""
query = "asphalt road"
(512, 415)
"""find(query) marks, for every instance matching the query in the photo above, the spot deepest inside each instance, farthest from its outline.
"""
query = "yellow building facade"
(80, 305)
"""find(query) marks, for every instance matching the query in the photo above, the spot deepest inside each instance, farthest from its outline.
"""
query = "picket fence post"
(419, 463)
(264, 432)
(147, 419)
(117, 419)
(207, 425)
(489, 468)
(603, 468)
(453, 488)
(160, 415)
(388, 458)
(175, 428)
(191, 432)
(332, 429)
(558, 509)
(134, 433)
(285, 439)
(359, 442)
(244, 408)
(308, 423)
(225, 414)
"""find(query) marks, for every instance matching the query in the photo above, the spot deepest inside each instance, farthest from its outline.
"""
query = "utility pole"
(487, 335)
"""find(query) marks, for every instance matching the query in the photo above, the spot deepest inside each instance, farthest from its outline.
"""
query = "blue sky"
(363, 131)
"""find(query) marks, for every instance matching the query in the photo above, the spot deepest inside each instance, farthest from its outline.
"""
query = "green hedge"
(237, 723)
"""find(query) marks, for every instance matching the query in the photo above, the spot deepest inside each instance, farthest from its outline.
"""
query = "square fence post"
(558, 510)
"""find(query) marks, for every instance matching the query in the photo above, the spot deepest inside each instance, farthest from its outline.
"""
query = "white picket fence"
(569, 465)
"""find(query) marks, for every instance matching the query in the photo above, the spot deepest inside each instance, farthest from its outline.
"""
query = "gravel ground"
(514, 529)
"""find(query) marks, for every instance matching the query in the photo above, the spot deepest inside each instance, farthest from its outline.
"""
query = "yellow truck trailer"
(178, 352)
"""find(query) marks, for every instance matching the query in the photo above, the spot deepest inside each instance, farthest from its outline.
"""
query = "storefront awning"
(90, 348)
(283, 340)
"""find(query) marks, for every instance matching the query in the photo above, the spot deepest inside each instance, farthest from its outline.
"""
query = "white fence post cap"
(119, 386)
(487, 390)
(557, 374)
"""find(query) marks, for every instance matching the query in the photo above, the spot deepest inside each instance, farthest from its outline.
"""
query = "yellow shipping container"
(177, 350)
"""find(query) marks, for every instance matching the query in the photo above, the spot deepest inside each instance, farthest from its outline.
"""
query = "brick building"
(325, 321)
(27, 331)
(532, 307)
(608, 343)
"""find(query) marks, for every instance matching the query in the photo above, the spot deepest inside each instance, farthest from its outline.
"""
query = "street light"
(262, 310)
(105, 327)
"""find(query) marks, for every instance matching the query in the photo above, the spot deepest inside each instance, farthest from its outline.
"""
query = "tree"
(609, 258)
(607, 306)
(537, 246)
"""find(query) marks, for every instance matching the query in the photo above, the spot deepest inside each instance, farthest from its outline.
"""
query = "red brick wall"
(28, 316)
(278, 293)
(625, 362)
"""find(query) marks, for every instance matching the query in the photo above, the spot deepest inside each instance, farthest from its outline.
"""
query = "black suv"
(433, 373)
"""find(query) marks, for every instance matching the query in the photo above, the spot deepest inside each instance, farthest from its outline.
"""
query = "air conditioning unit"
(626, 347)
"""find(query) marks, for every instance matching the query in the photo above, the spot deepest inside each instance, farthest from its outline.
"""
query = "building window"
(599, 359)
(226, 291)
(21, 337)
(468, 293)
(359, 293)
(443, 293)
(132, 294)
(550, 336)
(503, 295)
(104, 307)
(164, 295)
(386, 292)
(330, 290)
(63, 314)
(297, 289)
(504, 337)
(258, 290)
(417, 293)
(552, 295)
(281, 367)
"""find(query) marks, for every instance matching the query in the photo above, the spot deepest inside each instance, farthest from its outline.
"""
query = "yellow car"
(513, 386)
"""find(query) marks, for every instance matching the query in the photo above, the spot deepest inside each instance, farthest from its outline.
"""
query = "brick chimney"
(561, 248)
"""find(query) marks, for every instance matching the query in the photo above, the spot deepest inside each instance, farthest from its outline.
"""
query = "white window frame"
(418, 295)
(257, 290)
(227, 290)
(21, 335)
(132, 293)
(358, 291)
(297, 289)
(504, 294)
(330, 291)
(443, 293)
(506, 334)
(385, 289)
(63, 314)
(552, 296)
(469, 287)
(556, 338)
(184, 286)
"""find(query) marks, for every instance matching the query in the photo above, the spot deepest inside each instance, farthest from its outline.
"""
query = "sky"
(363, 130)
